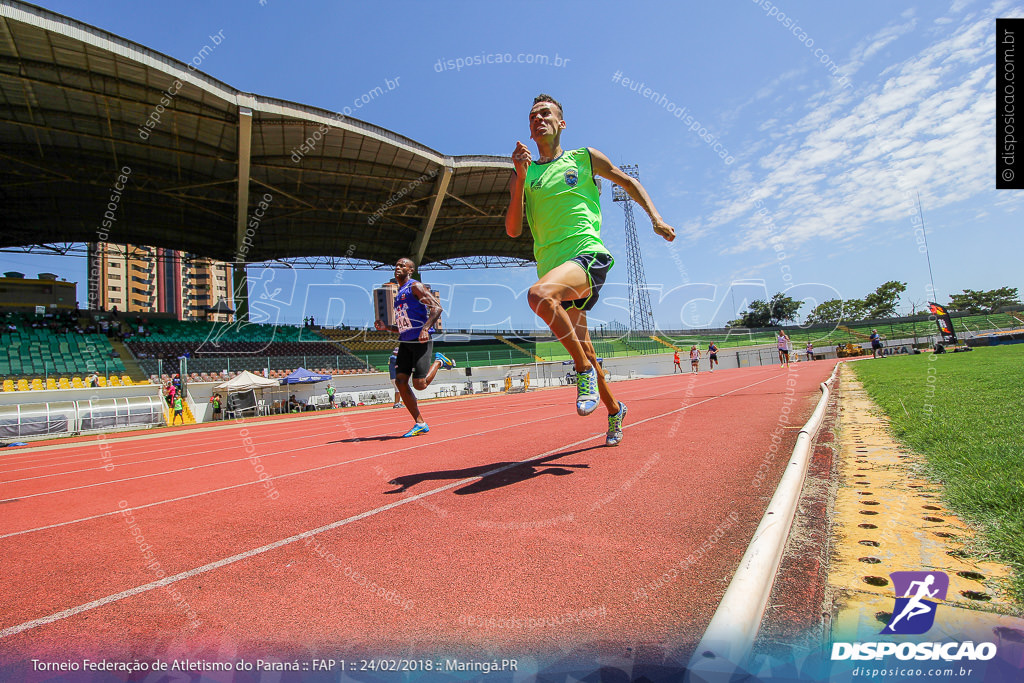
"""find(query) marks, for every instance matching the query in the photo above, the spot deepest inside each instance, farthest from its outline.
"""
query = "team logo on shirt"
(572, 177)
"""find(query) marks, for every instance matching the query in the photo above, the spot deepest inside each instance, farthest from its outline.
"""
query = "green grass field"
(964, 412)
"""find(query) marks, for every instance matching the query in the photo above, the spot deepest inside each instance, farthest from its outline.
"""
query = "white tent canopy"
(246, 380)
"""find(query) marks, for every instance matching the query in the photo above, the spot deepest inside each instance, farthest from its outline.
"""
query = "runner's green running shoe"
(417, 429)
(615, 426)
(587, 397)
(446, 362)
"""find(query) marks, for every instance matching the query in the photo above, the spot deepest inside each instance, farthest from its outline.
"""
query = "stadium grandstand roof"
(84, 113)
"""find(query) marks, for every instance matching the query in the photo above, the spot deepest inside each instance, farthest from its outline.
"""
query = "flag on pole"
(944, 322)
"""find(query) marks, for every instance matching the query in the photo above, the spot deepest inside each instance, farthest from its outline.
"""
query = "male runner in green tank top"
(563, 207)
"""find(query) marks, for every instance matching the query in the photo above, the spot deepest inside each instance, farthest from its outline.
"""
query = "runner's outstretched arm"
(606, 169)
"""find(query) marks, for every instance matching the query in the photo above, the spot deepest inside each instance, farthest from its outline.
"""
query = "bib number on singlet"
(402, 320)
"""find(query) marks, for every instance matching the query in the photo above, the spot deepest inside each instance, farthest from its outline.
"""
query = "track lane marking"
(138, 590)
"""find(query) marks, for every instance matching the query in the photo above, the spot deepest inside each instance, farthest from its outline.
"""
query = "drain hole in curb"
(944, 534)
(868, 512)
(973, 576)
(868, 526)
(860, 461)
(864, 493)
(870, 560)
(875, 581)
(976, 595)
(957, 553)
(931, 507)
(870, 502)
(934, 519)
(873, 544)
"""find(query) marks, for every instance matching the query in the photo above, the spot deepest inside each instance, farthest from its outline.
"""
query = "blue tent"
(304, 376)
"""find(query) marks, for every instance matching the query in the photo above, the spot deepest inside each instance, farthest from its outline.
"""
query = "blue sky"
(831, 117)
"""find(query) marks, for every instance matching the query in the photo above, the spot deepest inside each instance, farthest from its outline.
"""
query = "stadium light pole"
(641, 317)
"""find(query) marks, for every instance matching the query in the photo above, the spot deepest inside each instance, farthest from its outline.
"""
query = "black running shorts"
(596, 266)
(414, 358)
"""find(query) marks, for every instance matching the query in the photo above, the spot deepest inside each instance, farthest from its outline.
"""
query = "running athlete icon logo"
(917, 596)
(572, 177)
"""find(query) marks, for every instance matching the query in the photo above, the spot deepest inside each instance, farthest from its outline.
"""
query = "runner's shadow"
(508, 473)
(367, 438)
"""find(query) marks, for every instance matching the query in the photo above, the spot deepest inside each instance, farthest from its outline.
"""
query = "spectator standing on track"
(559, 193)
(391, 371)
(712, 355)
(676, 367)
(784, 347)
(416, 311)
(694, 359)
(876, 344)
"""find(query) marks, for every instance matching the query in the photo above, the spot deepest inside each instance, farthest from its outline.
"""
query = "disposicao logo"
(918, 594)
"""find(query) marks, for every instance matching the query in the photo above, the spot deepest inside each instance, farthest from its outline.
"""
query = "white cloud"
(854, 160)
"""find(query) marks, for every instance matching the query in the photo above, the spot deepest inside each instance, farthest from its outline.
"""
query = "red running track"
(508, 530)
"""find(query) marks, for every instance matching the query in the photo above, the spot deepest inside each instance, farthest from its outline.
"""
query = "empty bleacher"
(41, 355)
(217, 351)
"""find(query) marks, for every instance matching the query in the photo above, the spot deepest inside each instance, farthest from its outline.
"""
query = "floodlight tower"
(641, 319)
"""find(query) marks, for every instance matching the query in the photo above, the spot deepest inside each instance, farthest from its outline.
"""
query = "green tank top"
(563, 208)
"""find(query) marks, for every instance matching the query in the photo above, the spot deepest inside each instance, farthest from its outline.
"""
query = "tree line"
(881, 303)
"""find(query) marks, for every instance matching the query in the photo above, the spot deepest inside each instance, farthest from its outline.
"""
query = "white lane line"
(333, 432)
(27, 455)
(138, 590)
(315, 469)
(212, 445)
(293, 450)
(228, 462)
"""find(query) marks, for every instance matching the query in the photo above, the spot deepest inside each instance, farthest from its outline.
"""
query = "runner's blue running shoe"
(417, 429)
(446, 362)
(587, 397)
(615, 426)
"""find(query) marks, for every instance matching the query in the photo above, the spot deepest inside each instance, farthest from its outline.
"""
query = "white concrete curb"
(730, 636)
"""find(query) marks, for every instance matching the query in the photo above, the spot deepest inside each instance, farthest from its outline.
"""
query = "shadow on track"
(513, 473)
(388, 437)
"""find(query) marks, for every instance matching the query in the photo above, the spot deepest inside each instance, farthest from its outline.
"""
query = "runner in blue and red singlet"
(416, 311)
